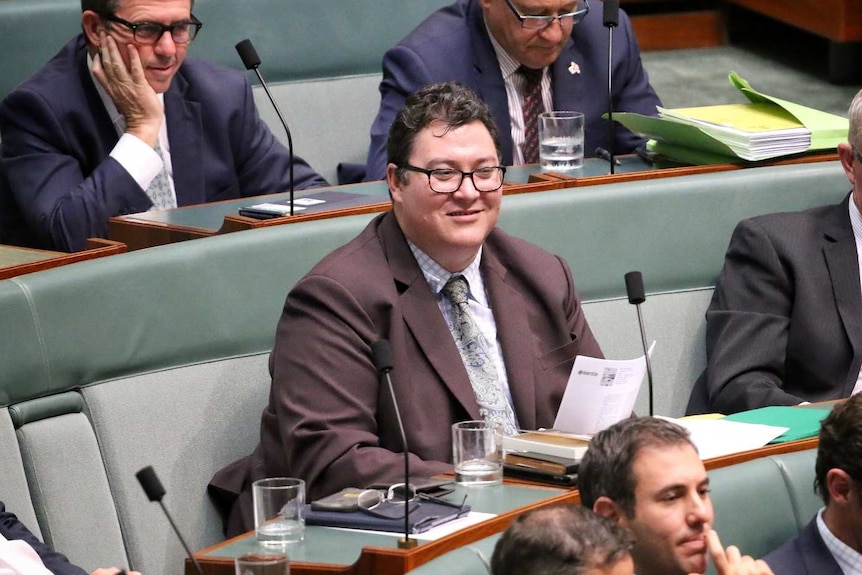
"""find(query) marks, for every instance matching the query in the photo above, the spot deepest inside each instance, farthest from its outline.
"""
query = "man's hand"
(128, 88)
(730, 561)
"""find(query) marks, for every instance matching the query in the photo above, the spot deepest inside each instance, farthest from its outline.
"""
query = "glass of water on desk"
(477, 451)
(278, 503)
(561, 141)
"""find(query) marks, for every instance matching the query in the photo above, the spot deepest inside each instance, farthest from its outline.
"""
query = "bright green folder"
(693, 145)
(803, 422)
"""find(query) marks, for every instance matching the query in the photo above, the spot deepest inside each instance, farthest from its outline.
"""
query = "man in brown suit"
(329, 421)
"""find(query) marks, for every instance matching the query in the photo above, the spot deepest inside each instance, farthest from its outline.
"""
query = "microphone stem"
(646, 357)
(183, 541)
(286, 130)
(611, 97)
(407, 543)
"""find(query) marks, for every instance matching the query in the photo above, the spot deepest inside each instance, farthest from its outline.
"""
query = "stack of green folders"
(761, 129)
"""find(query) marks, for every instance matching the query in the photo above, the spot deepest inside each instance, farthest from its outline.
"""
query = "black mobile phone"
(346, 500)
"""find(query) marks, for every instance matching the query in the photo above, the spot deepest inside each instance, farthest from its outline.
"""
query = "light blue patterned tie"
(493, 403)
(160, 191)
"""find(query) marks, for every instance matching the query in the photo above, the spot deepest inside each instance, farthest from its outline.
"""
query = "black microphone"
(635, 291)
(155, 491)
(251, 61)
(381, 355)
(610, 20)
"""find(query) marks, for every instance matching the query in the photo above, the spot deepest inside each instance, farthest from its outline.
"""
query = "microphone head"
(248, 54)
(150, 482)
(611, 13)
(381, 355)
(635, 287)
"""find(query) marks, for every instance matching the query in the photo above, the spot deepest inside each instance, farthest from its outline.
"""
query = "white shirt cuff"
(141, 161)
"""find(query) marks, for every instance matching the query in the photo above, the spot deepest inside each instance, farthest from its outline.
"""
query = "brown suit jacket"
(330, 422)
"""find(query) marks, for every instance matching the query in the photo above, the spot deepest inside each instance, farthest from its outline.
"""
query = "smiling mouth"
(463, 213)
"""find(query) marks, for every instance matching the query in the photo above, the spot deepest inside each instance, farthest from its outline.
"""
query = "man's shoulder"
(518, 253)
(805, 554)
(58, 76)
(812, 221)
(361, 256)
(209, 77)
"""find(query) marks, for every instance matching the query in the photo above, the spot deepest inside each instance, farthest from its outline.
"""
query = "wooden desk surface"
(16, 261)
(149, 229)
(329, 551)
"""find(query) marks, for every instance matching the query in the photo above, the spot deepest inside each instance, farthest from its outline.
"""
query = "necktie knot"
(456, 289)
(533, 76)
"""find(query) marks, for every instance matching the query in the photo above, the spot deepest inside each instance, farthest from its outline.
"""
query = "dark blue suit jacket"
(453, 45)
(11, 529)
(805, 554)
(58, 186)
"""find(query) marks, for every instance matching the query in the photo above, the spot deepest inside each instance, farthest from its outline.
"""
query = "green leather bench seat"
(165, 350)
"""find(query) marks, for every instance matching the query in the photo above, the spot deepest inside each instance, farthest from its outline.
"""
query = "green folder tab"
(803, 422)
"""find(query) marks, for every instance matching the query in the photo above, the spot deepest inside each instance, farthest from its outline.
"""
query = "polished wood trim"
(675, 30)
(838, 20)
(766, 451)
(95, 248)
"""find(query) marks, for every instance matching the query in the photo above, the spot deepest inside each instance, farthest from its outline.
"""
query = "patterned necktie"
(533, 106)
(160, 191)
(493, 404)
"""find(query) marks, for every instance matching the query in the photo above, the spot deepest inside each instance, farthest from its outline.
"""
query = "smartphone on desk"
(346, 501)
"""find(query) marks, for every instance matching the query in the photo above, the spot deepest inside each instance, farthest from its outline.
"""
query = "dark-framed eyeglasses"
(151, 32)
(542, 22)
(449, 180)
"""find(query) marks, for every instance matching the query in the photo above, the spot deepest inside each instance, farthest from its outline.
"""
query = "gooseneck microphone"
(155, 491)
(381, 355)
(251, 61)
(635, 291)
(610, 20)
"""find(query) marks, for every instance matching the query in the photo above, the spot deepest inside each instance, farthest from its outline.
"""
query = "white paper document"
(600, 393)
(472, 518)
(716, 437)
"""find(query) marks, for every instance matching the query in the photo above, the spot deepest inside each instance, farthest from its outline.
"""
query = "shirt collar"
(437, 276)
(508, 65)
(848, 559)
(855, 220)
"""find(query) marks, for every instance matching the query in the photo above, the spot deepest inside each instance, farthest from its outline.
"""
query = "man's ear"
(607, 507)
(92, 25)
(394, 183)
(845, 155)
(839, 485)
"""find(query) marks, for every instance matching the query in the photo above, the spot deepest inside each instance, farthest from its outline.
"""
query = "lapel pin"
(574, 69)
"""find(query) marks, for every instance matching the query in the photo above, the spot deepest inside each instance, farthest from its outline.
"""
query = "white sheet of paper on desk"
(307, 202)
(472, 518)
(600, 393)
(717, 437)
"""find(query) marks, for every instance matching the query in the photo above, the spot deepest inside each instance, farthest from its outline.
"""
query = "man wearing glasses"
(784, 324)
(522, 57)
(120, 122)
(481, 325)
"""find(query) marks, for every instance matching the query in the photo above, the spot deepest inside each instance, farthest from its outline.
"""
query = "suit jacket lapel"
(185, 133)
(423, 317)
(839, 250)
(568, 87)
(489, 79)
(511, 327)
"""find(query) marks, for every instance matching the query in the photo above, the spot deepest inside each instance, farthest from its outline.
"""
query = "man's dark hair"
(560, 540)
(840, 445)
(449, 103)
(107, 6)
(607, 467)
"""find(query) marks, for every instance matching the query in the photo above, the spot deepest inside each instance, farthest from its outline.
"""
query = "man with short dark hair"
(522, 57)
(563, 540)
(482, 325)
(831, 543)
(646, 475)
(119, 121)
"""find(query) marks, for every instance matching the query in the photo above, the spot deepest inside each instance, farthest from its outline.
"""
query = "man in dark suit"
(120, 122)
(15, 552)
(784, 325)
(329, 421)
(831, 543)
(482, 43)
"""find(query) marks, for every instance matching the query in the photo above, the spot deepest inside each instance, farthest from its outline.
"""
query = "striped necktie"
(533, 106)
(473, 347)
